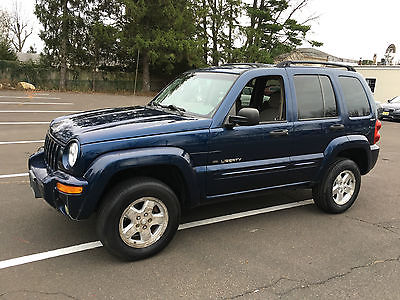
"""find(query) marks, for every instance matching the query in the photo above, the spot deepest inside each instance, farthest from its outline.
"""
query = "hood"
(391, 105)
(120, 123)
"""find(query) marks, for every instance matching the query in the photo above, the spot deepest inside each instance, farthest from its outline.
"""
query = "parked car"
(391, 109)
(198, 142)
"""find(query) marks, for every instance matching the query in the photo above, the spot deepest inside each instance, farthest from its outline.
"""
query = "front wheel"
(339, 188)
(138, 218)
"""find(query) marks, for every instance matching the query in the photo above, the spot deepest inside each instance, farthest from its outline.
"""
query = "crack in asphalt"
(305, 284)
(379, 225)
(256, 290)
(39, 292)
(322, 282)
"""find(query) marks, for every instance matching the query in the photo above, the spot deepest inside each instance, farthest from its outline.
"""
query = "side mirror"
(389, 101)
(246, 117)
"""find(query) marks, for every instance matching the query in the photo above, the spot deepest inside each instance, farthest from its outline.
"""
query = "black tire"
(116, 203)
(323, 195)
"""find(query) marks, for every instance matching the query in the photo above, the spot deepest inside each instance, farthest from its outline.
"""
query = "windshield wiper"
(173, 107)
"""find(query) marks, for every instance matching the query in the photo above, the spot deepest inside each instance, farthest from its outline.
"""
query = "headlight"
(72, 153)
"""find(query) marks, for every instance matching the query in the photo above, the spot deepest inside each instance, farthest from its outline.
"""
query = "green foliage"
(162, 29)
(273, 29)
(62, 25)
(171, 35)
(6, 52)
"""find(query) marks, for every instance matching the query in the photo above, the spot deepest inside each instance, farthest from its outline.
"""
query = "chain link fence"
(48, 78)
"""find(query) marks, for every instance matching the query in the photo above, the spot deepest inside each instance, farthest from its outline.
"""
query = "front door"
(247, 159)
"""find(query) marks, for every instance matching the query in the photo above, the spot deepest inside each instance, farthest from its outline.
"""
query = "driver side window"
(266, 94)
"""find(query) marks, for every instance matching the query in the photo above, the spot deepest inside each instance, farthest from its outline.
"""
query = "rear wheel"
(339, 188)
(138, 218)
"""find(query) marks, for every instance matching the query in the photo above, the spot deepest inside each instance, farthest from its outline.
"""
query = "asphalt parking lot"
(292, 253)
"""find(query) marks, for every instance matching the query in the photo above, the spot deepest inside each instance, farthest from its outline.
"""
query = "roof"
(24, 57)
(312, 54)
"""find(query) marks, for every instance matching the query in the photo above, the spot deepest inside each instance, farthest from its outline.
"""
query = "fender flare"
(340, 144)
(107, 165)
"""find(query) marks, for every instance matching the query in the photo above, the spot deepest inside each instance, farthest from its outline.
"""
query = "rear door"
(355, 97)
(317, 118)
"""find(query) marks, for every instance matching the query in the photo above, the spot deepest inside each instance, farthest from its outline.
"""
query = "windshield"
(198, 93)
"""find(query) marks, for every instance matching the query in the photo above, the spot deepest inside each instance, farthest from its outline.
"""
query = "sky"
(350, 29)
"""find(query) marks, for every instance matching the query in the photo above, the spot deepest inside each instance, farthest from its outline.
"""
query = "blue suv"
(211, 134)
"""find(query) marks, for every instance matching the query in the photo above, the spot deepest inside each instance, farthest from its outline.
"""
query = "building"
(383, 81)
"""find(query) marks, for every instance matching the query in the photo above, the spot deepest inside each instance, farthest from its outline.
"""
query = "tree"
(63, 25)
(100, 39)
(5, 22)
(162, 30)
(273, 30)
(217, 28)
(6, 52)
(232, 12)
(19, 28)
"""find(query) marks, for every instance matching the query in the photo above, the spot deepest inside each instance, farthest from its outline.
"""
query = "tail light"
(378, 126)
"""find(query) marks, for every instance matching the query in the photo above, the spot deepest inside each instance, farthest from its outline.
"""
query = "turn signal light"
(68, 189)
(378, 126)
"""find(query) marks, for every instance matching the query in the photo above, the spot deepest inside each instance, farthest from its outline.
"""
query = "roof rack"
(244, 65)
(286, 64)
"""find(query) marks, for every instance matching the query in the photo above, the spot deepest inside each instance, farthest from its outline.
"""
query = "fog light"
(69, 189)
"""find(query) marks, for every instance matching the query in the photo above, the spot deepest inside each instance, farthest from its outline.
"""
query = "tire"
(339, 188)
(138, 218)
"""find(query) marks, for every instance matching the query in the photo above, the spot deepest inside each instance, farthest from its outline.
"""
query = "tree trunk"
(214, 33)
(250, 35)
(146, 72)
(230, 42)
(63, 48)
(94, 79)
(205, 45)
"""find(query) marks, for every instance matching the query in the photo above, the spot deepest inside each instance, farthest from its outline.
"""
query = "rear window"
(315, 97)
(355, 97)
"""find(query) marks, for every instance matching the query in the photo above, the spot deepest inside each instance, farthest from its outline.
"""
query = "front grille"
(51, 152)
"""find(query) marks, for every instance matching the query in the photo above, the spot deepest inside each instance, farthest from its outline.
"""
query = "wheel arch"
(354, 147)
(167, 174)
(170, 165)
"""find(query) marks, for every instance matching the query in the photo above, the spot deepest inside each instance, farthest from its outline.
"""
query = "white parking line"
(27, 97)
(35, 103)
(49, 254)
(14, 175)
(24, 123)
(40, 111)
(22, 142)
(92, 245)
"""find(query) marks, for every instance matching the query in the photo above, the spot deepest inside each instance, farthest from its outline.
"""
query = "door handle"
(335, 127)
(279, 132)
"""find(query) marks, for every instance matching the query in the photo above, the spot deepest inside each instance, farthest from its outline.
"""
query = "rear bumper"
(374, 157)
(43, 183)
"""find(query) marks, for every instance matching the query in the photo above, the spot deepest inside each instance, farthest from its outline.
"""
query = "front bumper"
(393, 115)
(43, 183)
